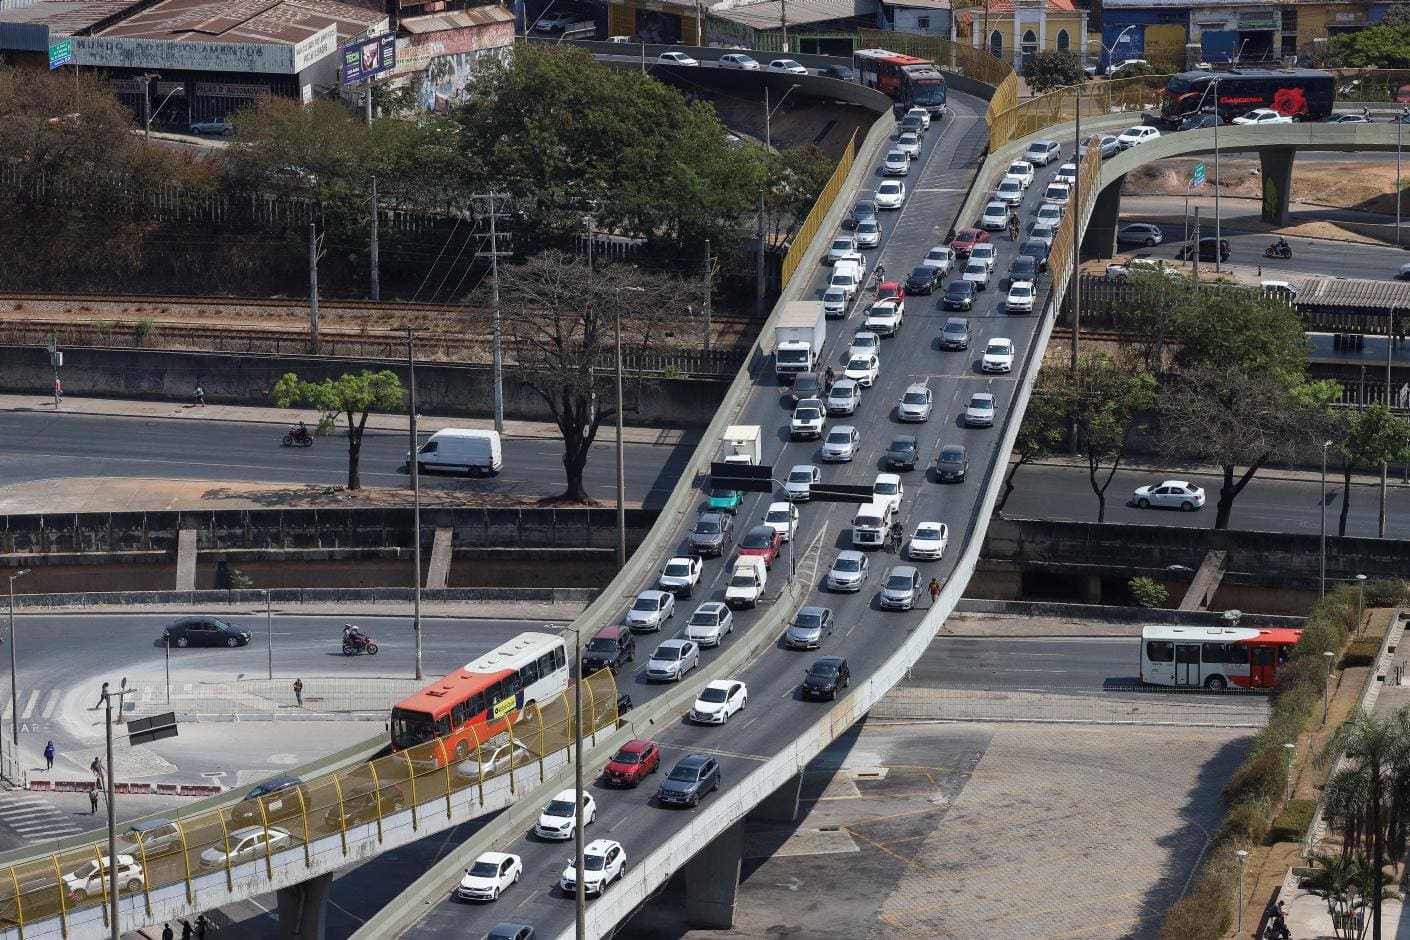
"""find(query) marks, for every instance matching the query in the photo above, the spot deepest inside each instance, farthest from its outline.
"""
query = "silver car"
(915, 404)
(979, 413)
(841, 443)
(899, 590)
(848, 572)
(808, 628)
(709, 624)
(672, 660)
(245, 844)
(651, 610)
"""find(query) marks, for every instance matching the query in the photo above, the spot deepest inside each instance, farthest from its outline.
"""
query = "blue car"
(725, 501)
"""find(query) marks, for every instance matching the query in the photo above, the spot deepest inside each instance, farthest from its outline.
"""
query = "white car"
(929, 541)
(835, 301)
(886, 317)
(737, 60)
(1042, 152)
(995, 217)
(1042, 232)
(808, 420)
(604, 861)
(554, 22)
(1172, 494)
(843, 248)
(887, 487)
(868, 234)
(890, 194)
(915, 403)
(651, 610)
(1136, 135)
(864, 343)
(718, 700)
(1049, 215)
(841, 444)
(1067, 173)
(921, 113)
(487, 760)
(799, 484)
(490, 874)
(987, 252)
(941, 256)
(896, 163)
(788, 66)
(848, 573)
(979, 413)
(243, 845)
(710, 623)
(978, 273)
(1263, 116)
(863, 370)
(91, 879)
(675, 58)
(1020, 298)
(1010, 190)
(671, 660)
(559, 822)
(1405, 271)
(783, 519)
(1021, 170)
(844, 398)
(998, 355)
(1057, 194)
(909, 144)
(680, 575)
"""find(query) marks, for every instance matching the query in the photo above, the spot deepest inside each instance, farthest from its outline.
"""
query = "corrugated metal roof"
(769, 14)
(456, 19)
(262, 21)
(1348, 292)
(65, 18)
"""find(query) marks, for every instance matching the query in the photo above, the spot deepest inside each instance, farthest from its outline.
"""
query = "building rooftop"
(68, 17)
(770, 14)
(1350, 292)
(255, 21)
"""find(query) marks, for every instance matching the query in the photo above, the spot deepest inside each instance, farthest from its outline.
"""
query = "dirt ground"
(1347, 184)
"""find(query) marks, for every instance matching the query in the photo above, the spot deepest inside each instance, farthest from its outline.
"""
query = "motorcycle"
(1278, 250)
(298, 436)
(355, 644)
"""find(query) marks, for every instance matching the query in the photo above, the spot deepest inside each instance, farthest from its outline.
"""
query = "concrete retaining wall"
(256, 598)
(1112, 614)
(231, 378)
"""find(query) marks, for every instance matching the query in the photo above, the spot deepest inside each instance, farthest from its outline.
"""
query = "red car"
(630, 765)
(888, 289)
(967, 238)
(764, 541)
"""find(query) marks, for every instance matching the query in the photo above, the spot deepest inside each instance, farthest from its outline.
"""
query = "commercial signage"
(504, 706)
(256, 57)
(417, 53)
(368, 59)
(125, 86)
(316, 48)
(169, 88)
(218, 90)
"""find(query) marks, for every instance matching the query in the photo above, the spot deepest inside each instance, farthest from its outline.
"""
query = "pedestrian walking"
(934, 591)
(58, 390)
(185, 930)
(97, 768)
(93, 802)
(1404, 396)
(103, 696)
(299, 692)
(49, 756)
(168, 933)
(200, 396)
(201, 925)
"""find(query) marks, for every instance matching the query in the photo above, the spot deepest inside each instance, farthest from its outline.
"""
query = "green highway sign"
(1197, 177)
(61, 53)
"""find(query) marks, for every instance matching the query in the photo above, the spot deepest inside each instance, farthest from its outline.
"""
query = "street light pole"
(1327, 658)
(621, 459)
(1218, 180)
(1288, 757)
(269, 631)
(579, 891)
(1078, 158)
(115, 931)
(1399, 134)
(415, 494)
(1322, 499)
(769, 116)
(1242, 855)
(1360, 600)
(14, 671)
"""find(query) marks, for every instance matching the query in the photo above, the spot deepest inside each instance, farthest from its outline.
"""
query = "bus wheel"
(462, 750)
(1216, 684)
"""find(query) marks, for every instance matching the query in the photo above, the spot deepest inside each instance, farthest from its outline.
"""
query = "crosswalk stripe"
(8, 815)
(29, 706)
(29, 827)
(51, 703)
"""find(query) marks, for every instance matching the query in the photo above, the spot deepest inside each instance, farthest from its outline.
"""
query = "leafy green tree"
(1041, 433)
(1385, 46)
(1135, 69)
(795, 178)
(1052, 69)
(1397, 14)
(1369, 438)
(1236, 330)
(1147, 592)
(348, 397)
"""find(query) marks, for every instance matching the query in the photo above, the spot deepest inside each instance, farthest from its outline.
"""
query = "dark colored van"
(609, 648)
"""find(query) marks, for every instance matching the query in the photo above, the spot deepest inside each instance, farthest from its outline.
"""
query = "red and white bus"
(473, 704)
(911, 81)
(1215, 658)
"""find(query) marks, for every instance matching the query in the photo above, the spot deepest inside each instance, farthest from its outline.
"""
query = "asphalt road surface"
(1267, 504)
(35, 445)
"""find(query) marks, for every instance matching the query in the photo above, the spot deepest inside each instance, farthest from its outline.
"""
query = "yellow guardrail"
(217, 840)
(814, 219)
(1019, 119)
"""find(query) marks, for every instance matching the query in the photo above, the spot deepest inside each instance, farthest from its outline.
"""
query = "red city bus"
(1215, 658)
(473, 704)
(911, 81)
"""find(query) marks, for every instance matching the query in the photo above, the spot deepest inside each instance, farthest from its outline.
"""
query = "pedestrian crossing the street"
(34, 819)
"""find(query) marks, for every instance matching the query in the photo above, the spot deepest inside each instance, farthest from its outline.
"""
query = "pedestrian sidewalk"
(254, 414)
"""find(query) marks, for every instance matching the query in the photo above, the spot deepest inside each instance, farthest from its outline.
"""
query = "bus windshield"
(927, 92)
(411, 728)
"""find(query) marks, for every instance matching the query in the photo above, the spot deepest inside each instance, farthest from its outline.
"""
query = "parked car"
(1207, 249)
(951, 464)
(213, 125)
(915, 403)
(719, 700)
(633, 763)
(694, 776)
(650, 611)
(712, 534)
(826, 677)
(489, 875)
(979, 413)
(205, 631)
(808, 628)
(929, 541)
(672, 660)
(848, 572)
(1171, 494)
(610, 648)
(902, 452)
(604, 861)
(559, 820)
(710, 623)
(1139, 233)
(900, 589)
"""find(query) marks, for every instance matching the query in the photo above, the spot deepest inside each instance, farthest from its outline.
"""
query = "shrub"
(1306, 672)
(1260, 778)
(1204, 913)
(1246, 823)
(1292, 823)
(1319, 634)
(144, 329)
(1147, 592)
(1361, 651)
(1385, 593)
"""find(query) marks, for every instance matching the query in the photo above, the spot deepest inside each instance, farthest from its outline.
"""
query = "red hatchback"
(764, 541)
(630, 765)
(965, 240)
(888, 289)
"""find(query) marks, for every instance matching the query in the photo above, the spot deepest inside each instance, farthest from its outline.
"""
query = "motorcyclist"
(352, 636)
(1282, 247)
(828, 378)
(898, 535)
(1013, 228)
(301, 431)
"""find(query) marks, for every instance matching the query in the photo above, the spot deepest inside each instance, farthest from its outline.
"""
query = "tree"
(560, 323)
(1105, 404)
(1044, 425)
(352, 397)
(1052, 69)
(1147, 592)
(1369, 438)
(1238, 330)
(1347, 882)
(1384, 46)
(795, 178)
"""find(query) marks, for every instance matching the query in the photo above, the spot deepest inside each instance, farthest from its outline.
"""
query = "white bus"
(1215, 658)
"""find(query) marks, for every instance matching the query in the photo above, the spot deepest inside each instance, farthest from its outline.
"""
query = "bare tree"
(560, 322)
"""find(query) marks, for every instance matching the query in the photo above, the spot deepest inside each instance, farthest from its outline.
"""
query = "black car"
(1206, 249)
(694, 776)
(1024, 268)
(806, 385)
(923, 279)
(610, 648)
(826, 677)
(205, 631)
(624, 703)
(844, 72)
(1037, 249)
(277, 794)
(913, 124)
(712, 534)
(1196, 121)
(956, 334)
(362, 803)
(959, 295)
(952, 463)
(510, 932)
(901, 455)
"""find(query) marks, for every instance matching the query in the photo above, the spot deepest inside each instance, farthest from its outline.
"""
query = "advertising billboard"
(368, 58)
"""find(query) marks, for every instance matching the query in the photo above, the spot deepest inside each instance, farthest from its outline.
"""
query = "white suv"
(604, 861)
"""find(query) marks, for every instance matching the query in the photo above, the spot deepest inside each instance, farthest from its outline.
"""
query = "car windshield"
(895, 156)
(721, 494)
(602, 645)
(808, 414)
(833, 294)
(777, 515)
(975, 267)
(842, 244)
(684, 774)
(838, 437)
(889, 489)
(668, 653)
(908, 140)
(997, 349)
(938, 256)
(484, 870)
(679, 570)
(887, 189)
(898, 582)
(1019, 290)
(960, 288)
(928, 532)
(626, 757)
(713, 695)
(807, 621)
(913, 398)
(707, 528)
(955, 329)
(951, 456)
(864, 208)
(980, 403)
(741, 580)
(867, 228)
(646, 603)
(758, 539)
(704, 618)
(823, 670)
(848, 565)
(563, 808)
(923, 273)
(864, 341)
(594, 862)
(859, 362)
(800, 476)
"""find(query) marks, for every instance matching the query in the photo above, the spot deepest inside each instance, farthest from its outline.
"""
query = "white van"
(871, 522)
(477, 453)
(847, 275)
(746, 582)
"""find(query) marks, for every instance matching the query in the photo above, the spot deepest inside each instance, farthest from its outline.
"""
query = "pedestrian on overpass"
(299, 692)
(186, 930)
(49, 756)
(934, 591)
(201, 924)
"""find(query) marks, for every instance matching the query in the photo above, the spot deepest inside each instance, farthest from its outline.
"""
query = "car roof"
(864, 333)
(888, 478)
(812, 610)
(600, 846)
(957, 321)
(635, 746)
(1044, 144)
(695, 761)
(779, 504)
(851, 554)
(277, 782)
(672, 644)
(963, 287)
(566, 794)
(842, 427)
(1001, 206)
(653, 594)
(904, 570)
(1173, 483)
(952, 449)
(901, 439)
(1000, 339)
(714, 606)
(761, 530)
(149, 824)
(842, 383)
(253, 831)
(831, 661)
(613, 633)
(917, 386)
(982, 396)
(1027, 284)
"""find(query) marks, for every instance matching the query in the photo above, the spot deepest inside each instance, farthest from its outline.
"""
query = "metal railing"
(291, 820)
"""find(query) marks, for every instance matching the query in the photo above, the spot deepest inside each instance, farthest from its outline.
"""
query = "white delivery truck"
(741, 444)
(746, 583)
(799, 338)
(476, 453)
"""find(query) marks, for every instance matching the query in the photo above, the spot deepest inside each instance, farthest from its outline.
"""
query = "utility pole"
(146, 81)
(1194, 251)
(413, 466)
(621, 469)
(1073, 284)
(368, 91)
(313, 287)
(759, 289)
(579, 889)
(783, 21)
(494, 306)
(376, 273)
(709, 270)
(115, 932)
(1218, 230)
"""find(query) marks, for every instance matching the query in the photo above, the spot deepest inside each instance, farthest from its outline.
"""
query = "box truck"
(799, 338)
